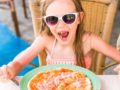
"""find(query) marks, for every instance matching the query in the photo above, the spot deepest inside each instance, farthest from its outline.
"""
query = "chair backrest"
(99, 17)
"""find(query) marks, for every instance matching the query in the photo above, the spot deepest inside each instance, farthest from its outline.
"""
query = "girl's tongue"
(63, 35)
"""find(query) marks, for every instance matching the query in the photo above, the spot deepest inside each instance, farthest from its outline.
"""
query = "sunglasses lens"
(69, 18)
(51, 20)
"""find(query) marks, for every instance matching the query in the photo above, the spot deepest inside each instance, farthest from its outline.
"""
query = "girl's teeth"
(63, 34)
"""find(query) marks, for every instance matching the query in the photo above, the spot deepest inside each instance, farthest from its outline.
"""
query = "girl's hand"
(117, 69)
(6, 72)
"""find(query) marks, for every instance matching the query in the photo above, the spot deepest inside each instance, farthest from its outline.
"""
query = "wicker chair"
(99, 17)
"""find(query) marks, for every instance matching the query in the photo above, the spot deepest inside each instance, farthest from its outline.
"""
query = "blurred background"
(26, 28)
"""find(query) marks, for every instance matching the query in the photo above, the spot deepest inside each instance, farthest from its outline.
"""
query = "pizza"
(60, 79)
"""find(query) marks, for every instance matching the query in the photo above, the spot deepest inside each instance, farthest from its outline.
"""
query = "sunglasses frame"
(60, 18)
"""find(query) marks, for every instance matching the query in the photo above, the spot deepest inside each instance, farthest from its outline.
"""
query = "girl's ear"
(81, 16)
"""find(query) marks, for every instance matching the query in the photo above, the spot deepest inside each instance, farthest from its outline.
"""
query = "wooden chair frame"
(11, 5)
(24, 8)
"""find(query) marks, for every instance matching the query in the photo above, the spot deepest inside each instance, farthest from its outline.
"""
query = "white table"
(108, 82)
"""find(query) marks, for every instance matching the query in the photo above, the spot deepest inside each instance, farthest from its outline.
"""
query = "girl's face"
(64, 29)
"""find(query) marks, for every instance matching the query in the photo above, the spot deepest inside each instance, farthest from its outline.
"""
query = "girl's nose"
(61, 24)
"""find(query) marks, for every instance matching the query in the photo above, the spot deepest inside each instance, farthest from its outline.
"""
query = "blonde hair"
(79, 33)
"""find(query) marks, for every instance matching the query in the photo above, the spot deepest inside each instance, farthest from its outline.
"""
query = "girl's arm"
(25, 57)
(101, 46)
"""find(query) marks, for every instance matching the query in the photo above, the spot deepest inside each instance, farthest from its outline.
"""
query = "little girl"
(63, 39)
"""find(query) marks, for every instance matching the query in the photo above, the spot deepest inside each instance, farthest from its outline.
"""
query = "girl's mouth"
(63, 35)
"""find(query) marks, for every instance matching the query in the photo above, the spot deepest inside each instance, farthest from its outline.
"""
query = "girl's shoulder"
(45, 39)
(92, 40)
(88, 36)
(41, 42)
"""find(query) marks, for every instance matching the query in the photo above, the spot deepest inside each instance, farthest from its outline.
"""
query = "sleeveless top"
(67, 60)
